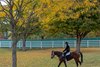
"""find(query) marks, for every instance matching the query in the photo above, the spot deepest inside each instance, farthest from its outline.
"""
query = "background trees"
(55, 18)
(77, 18)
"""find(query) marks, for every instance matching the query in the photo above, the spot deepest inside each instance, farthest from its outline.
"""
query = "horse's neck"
(58, 54)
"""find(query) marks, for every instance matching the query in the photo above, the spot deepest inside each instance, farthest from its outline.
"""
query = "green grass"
(41, 58)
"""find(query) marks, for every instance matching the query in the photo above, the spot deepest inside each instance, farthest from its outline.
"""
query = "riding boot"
(62, 56)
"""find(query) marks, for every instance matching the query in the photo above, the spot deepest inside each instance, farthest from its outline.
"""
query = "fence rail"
(51, 43)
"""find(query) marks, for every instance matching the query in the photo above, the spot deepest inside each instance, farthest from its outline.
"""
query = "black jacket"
(67, 49)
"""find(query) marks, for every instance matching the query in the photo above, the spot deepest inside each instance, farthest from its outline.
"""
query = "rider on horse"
(66, 51)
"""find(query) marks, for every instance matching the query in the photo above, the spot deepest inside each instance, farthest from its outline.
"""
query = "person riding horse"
(66, 55)
(66, 51)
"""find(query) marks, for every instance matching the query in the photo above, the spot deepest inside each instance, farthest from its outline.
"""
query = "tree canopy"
(76, 18)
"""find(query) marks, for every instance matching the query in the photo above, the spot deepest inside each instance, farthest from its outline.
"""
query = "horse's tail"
(81, 57)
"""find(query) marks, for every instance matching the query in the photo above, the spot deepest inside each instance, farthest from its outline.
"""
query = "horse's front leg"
(59, 63)
(65, 63)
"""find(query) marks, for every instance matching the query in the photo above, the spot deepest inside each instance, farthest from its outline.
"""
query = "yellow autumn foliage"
(51, 10)
(2, 14)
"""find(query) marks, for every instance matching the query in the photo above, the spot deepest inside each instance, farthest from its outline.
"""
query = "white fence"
(51, 44)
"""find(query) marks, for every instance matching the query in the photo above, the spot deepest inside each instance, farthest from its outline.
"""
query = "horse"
(73, 55)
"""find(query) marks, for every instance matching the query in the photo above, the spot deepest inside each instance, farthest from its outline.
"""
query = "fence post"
(0, 43)
(63, 44)
(99, 43)
(19, 45)
(41, 44)
(87, 43)
(52, 44)
(74, 43)
(9, 44)
(30, 44)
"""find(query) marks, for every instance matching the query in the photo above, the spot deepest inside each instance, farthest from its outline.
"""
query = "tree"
(14, 13)
(29, 21)
(86, 22)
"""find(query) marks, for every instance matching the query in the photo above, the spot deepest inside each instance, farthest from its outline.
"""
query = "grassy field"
(41, 58)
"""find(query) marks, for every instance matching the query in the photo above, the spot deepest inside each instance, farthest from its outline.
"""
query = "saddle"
(67, 55)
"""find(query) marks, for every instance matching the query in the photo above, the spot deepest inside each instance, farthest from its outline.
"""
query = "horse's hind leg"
(59, 63)
(65, 63)
(80, 62)
(76, 63)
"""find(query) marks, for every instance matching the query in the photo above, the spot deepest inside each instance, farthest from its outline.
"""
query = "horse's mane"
(59, 52)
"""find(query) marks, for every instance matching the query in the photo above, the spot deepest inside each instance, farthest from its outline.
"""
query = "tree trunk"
(42, 37)
(24, 44)
(78, 42)
(14, 57)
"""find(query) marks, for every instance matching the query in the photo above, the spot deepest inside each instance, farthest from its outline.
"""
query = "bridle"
(52, 54)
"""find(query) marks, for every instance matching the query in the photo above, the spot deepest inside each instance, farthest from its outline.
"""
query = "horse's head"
(52, 54)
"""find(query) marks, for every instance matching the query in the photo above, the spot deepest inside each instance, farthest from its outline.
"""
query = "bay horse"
(73, 55)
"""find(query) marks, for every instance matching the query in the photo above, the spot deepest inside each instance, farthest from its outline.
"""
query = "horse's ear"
(52, 51)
